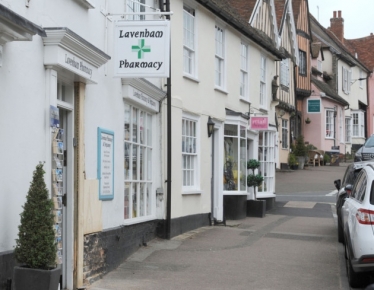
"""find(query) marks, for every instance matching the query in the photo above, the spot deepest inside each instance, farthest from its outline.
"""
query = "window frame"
(142, 145)
(284, 134)
(187, 48)
(263, 99)
(346, 80)
(302, 63)
(329, 124)
(358, 128)
(348, 130)
(133, 6)
(219, 66)
(285, 72)
(244, 80)
(195, 188)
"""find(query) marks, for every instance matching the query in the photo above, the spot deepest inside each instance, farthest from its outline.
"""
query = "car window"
(360, 186)
(347, 175)
(369, 142)
(372, 193)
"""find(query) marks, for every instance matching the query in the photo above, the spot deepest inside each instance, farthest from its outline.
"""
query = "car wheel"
(356, 280)
(340, 232)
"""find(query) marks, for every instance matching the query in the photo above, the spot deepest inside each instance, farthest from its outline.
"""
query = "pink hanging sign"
(260, 123)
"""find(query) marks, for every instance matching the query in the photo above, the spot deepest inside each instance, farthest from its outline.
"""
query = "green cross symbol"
(141, 48)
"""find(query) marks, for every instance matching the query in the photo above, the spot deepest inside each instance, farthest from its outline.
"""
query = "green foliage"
(35, 245)
(310, 147)
(326, 158)
(253, 164)
(292, 159)
(254, 180)
(300, 148)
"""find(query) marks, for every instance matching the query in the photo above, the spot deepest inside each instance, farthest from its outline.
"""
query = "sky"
(357, 15)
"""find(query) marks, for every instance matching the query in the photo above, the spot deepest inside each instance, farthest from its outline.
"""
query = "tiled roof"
(279, 11)
(228, 10)
(364, 49)
(244, 7)
(329, 39)
(329, 91)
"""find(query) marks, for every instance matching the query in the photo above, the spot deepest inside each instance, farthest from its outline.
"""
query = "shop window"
(137, 163)
(266, 156)
(284, 134)
(235, 158)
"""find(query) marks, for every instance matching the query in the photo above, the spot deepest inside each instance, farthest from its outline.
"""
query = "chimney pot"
(334, 14)
(339, 14)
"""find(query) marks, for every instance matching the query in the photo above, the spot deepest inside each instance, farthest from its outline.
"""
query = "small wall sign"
(105, 145)
(314, 106)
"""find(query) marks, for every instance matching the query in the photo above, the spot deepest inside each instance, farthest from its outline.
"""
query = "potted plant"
(255, 207)
(36, 247)
(292, 162)
(300, 151)
(326, 159)
(307, 120)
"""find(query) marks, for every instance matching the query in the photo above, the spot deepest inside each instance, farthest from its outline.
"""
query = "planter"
(234, 207)
(301, 161)
(256, 208)
(294, 167)
(35, 279)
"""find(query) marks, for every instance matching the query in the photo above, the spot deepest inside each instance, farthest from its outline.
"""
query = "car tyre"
(340, 232)
(356, 280)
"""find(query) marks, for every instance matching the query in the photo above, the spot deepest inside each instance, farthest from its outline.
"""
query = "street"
(294, 247)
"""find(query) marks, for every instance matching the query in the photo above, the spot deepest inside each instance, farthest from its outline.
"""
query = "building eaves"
(224, 10)
(330, 92)
(8, 15)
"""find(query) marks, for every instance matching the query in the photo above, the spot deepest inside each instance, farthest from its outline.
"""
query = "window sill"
(191, 78)
(244, 100)
(221, 90)
(235, 193)
(138, 220)
(192, 192)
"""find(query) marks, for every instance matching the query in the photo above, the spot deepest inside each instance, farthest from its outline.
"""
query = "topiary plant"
(252, 179)
(35, 246)
(300, 148)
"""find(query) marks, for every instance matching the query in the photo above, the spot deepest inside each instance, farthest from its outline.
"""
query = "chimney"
(337, 26)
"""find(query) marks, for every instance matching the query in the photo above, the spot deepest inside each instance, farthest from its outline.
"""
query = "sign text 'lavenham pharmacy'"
(142, 49)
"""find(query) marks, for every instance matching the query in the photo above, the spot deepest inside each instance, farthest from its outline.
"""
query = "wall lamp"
(210, 126)
(281, 114)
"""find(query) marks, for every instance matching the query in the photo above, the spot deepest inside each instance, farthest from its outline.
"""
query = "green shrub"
(300, 148)
(292, 159)
(253, 164)
(35, 245)
(326, 158)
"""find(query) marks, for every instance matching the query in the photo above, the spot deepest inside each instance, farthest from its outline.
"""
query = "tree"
(36, 245)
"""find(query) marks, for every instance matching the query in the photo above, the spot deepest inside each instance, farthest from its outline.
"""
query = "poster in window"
(105, 145)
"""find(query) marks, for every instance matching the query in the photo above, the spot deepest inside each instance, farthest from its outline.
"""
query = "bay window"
(266, 156)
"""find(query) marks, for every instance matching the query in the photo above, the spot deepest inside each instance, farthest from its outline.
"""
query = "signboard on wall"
(142, 49)
(105, 160)
(314, 106)
(259, 123)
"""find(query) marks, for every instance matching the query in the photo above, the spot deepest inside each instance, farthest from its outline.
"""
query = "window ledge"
(192, 192)
(221, 90)
(191, 78)
(138, 220)
(235, 193)
(244, 100)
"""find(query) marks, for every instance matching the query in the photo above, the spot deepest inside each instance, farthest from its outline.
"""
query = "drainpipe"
(169, 135)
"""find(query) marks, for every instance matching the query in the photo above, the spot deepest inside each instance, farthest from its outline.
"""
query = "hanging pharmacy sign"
(142, 49)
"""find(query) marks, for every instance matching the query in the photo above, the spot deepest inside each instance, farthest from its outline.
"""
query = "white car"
(358, 222)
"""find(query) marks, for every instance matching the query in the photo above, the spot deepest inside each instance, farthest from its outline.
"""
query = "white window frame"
(219, 77)
(244, 72)
(189, 41)
(346, 80)
(319, 65)
(361, 81)
(341, 125)
(143, 177)
(285, 72)
(358, 124)
(348, 130)
(263, 99)
(284, 134)
(135, 6)
(187, 137)
(266, 157)
(329, 124)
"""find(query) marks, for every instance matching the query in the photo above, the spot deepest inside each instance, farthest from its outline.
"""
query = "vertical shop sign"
(142, 49)
(105, 164)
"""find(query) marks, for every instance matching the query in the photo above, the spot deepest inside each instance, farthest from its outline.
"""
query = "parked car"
(349, 177)
(358, 224)
(366, 152)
